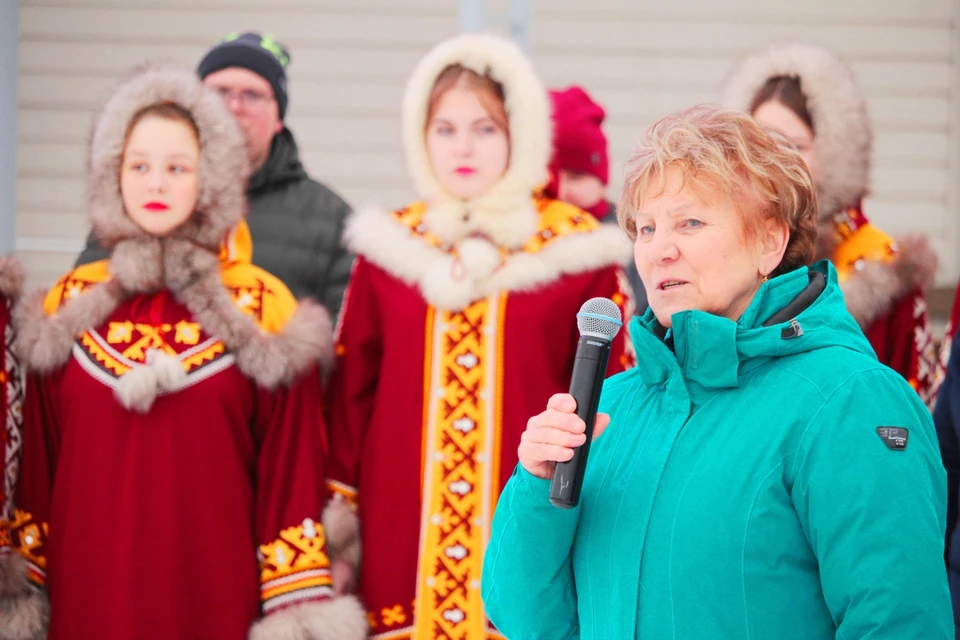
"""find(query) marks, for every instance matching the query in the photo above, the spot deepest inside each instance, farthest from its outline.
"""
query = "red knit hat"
(578, 140)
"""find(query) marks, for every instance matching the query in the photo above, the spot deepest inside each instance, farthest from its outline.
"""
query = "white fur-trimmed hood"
(843, 133)
(504, 212)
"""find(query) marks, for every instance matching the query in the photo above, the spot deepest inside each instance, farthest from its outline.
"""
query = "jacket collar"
(282, 165)
(712, 352)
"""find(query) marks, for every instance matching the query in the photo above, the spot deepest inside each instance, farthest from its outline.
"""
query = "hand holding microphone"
(557, 442)
(551, 436)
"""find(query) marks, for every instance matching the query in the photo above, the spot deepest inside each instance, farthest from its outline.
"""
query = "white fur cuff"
(24, 609)
(338, 619)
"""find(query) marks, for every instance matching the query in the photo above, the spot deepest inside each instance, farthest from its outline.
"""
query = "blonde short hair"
(757, 168)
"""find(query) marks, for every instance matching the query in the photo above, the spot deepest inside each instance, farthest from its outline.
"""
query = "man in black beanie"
(296, 222)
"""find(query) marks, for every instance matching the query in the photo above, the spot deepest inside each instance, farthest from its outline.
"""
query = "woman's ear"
(772, 240)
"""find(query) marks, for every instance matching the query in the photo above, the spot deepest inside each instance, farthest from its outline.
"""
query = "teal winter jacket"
(755, 482)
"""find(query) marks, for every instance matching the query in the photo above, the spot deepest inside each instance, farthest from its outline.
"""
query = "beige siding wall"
(643, 60)
(350, 60)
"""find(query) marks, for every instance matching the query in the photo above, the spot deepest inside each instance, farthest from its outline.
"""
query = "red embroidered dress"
(458, 325)
(173, 441)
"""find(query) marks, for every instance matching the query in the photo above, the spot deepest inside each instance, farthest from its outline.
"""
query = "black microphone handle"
(589, 370)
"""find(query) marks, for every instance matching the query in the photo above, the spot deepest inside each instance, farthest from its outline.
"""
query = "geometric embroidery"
(925, 350)
(104, 362)
(460, 471)
(11, 437)
(29, 538)
(126, 343)
(295, 567)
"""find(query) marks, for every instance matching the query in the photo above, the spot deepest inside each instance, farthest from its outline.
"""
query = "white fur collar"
(451, 277)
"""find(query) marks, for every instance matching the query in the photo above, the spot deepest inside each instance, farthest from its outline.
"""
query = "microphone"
(599, 322)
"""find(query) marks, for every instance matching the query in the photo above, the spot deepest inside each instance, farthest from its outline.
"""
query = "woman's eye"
(444, 130)
(692, 223)
(487, 129)
(645, 230)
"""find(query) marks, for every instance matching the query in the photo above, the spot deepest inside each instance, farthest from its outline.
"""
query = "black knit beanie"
(260, 54)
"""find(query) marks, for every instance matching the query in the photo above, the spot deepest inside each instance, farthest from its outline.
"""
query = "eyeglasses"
(251, 101)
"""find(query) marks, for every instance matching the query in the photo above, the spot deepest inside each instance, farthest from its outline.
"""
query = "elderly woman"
(760, 474)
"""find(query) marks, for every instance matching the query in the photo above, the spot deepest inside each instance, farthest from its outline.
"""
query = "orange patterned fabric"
(28, 537)
(295, 567)
(860, 241)
(461, 469)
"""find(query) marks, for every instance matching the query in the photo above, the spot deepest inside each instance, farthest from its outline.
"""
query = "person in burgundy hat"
(580, 167)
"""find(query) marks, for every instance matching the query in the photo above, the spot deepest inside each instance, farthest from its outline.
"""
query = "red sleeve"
(353, 387)
(294, 565)
(29, 525)
(904, 343)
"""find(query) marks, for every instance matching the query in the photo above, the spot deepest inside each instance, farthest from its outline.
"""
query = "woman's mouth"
(668, 285)
(465, 171)
(155, 206)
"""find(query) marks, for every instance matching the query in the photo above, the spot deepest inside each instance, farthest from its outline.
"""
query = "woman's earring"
(765, 278)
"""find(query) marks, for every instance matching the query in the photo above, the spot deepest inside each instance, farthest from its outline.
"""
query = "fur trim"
(223, 166)
(140, 386)
(24, 609)
(503, 212)
(872, 291)
(137, 264)
(192, 274)
(342, 618)
(843, 136)
(11, 277)
(342, 529)
(377, 236)
(269, 359)
(43, 342)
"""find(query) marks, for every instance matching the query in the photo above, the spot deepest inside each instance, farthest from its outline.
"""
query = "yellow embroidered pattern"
(458, 479)
(28, 537)
(295, 567)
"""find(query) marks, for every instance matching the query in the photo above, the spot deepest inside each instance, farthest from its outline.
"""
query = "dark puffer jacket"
(296, 224)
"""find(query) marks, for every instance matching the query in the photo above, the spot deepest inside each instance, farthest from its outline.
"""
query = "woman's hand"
(552, 436)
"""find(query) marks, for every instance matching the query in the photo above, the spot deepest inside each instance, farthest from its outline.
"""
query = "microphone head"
(600, 318)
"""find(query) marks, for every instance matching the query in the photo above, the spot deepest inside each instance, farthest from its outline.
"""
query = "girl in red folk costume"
(173, 448)
(813, 98)
(459, 317)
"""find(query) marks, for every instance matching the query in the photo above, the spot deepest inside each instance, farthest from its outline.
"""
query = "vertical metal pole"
(473, 15)
(520, 23)
(9, 45)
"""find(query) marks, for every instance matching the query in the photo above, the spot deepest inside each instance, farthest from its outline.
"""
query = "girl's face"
(159, 182)
(775, 115)
(468, 151)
